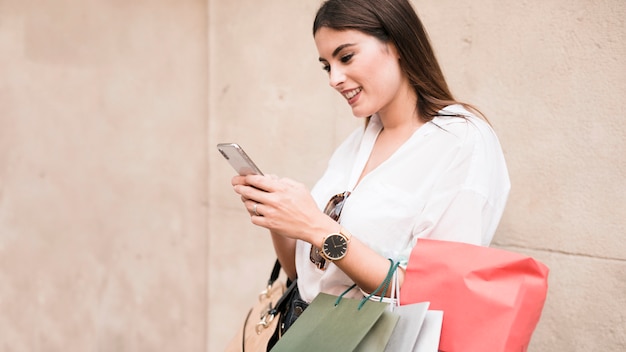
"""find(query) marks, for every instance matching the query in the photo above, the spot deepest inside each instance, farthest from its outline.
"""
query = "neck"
(402, 114)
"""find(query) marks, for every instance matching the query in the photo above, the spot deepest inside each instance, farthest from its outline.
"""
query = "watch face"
(335, 246)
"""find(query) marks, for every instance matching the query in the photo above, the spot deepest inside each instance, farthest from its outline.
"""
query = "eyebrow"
(339, 48)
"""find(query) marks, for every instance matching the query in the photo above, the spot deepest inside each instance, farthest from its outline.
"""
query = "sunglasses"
(333, 210)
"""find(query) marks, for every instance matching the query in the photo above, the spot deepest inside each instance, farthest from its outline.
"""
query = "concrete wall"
(103, 175)
(119, 232)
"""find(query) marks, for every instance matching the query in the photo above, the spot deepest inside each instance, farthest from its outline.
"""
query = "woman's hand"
(286, 208)
(283, 206)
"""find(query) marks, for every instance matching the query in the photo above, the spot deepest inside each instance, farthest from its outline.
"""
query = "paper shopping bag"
(378, 337)
(491, 298)
(406, 332)
(430, 333)
(418, 329)
(329, 324)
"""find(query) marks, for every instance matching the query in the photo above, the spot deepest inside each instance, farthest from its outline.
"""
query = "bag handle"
(273, 277)
(275, 273)
(381, 288)
(281, 304)
(384, 286)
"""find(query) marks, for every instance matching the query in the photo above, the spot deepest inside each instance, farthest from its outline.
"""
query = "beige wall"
(118, 231)
(103, 175)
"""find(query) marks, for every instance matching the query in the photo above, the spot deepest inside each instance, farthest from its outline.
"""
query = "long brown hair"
(397, 22)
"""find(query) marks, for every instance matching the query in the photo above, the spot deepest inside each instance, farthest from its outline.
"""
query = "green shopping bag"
(332, 323)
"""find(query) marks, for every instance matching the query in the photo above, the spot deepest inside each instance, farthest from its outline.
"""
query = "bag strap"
(282, 302)
(343, 294)
(383, 287)
(275, 273)
(273, 277)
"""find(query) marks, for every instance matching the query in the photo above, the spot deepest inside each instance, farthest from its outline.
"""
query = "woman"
(424, 165)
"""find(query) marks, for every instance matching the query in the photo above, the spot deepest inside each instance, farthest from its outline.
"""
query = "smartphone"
(238, 159)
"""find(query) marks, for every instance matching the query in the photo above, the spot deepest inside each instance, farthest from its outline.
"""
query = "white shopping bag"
(418, 328)
(430, 333)
(406, 332)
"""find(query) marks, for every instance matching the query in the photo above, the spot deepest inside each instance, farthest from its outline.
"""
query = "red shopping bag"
(491, 298)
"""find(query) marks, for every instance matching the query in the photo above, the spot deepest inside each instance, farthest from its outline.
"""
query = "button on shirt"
(448, 181)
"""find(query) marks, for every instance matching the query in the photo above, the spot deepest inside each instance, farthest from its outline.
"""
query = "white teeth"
(352, 93)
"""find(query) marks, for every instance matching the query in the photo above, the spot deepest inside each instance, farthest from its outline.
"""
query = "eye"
(326, 68)
(346, 58)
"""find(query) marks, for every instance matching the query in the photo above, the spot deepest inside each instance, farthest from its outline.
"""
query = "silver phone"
(238, 159)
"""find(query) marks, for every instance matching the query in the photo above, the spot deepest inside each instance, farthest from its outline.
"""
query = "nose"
(336, 77)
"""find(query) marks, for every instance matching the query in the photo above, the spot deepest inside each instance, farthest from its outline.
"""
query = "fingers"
(257, 181)
(246, 189)
(266, 198)
(255, 187)
(255, 210)
(238, 180)
(264, 183)
(250, 195)
(268, 183)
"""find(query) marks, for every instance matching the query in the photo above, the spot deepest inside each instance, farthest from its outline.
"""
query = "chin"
(362, 114)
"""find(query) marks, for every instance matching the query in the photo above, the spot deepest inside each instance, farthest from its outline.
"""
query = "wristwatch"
(335, 245)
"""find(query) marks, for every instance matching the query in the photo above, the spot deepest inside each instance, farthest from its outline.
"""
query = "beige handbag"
(259, 331)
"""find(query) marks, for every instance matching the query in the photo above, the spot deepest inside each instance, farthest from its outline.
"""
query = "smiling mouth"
(351, 94)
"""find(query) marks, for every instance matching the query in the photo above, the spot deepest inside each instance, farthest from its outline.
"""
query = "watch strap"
(345, 233)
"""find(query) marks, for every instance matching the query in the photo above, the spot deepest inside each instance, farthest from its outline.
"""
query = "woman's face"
(364, 70)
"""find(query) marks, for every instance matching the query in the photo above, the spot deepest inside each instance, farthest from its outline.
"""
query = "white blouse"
(448, 181)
